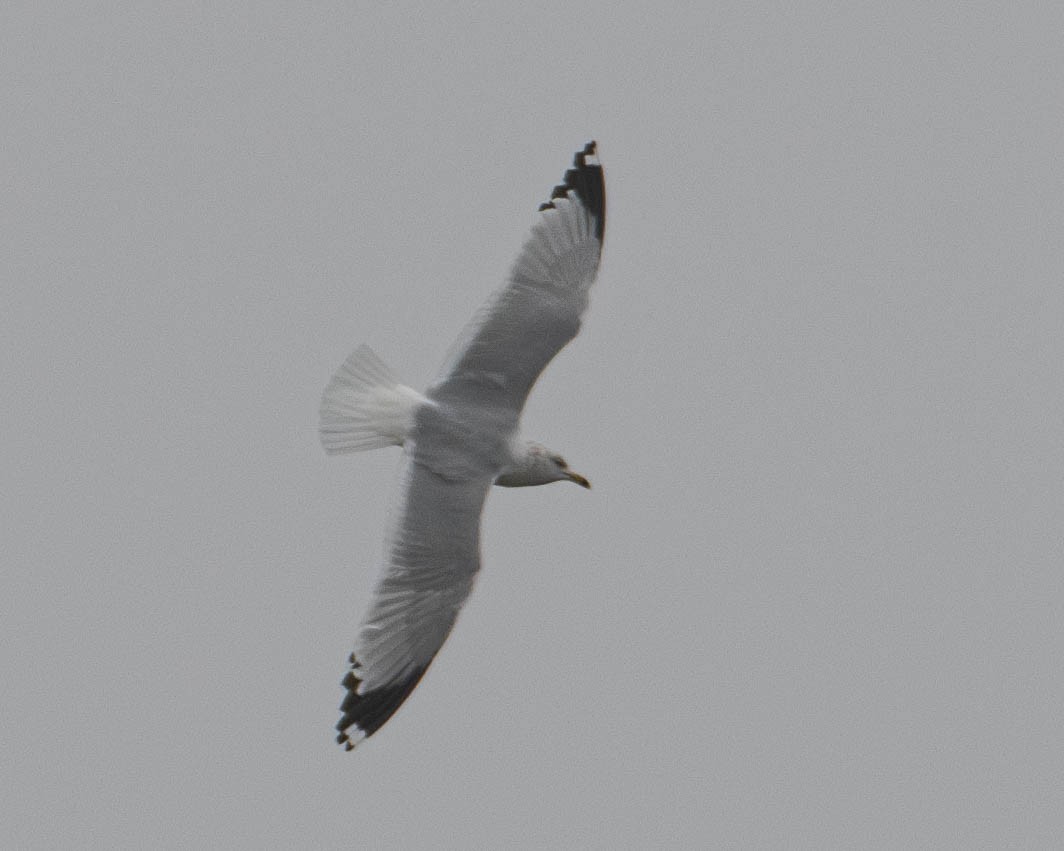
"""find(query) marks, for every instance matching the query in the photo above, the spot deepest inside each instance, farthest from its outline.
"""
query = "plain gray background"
(815, 597)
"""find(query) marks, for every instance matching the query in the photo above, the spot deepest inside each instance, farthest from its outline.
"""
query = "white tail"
(365, 407)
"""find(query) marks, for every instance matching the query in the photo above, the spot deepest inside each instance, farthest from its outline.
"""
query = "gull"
(460, 437)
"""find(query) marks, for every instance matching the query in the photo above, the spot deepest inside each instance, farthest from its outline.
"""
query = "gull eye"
(560, 461)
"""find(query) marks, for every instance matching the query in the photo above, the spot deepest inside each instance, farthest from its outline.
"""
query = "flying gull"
(459, 438)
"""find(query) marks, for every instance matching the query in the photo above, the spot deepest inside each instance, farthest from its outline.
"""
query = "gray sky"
(815, 597)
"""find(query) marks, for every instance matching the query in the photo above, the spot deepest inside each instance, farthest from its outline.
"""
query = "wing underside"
(537, 311)
(431, 562)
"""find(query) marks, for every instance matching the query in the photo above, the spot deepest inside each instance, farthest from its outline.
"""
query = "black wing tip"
(367, 712)
(587, 180)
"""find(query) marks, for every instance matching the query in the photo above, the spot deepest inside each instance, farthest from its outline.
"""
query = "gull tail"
(365, 407)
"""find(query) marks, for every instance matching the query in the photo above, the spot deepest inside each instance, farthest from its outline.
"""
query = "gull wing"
(526, 323)
(432, 558)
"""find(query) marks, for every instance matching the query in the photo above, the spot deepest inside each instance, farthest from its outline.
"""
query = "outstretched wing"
(433, 556)
(527, 322)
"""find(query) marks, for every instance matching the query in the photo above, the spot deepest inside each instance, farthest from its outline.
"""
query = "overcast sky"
(815, 598)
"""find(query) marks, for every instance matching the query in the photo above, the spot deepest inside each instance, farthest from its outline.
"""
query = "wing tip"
(587, 180)
(367, 712)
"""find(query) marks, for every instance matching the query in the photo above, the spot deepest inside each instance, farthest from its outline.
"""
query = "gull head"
(535, 464)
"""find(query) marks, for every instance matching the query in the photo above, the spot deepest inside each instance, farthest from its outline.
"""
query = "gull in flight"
(460, 437)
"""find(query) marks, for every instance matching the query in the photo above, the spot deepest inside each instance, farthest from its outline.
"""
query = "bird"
(460, 437)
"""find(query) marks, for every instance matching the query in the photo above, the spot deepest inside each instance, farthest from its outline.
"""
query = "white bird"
(459, 438)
